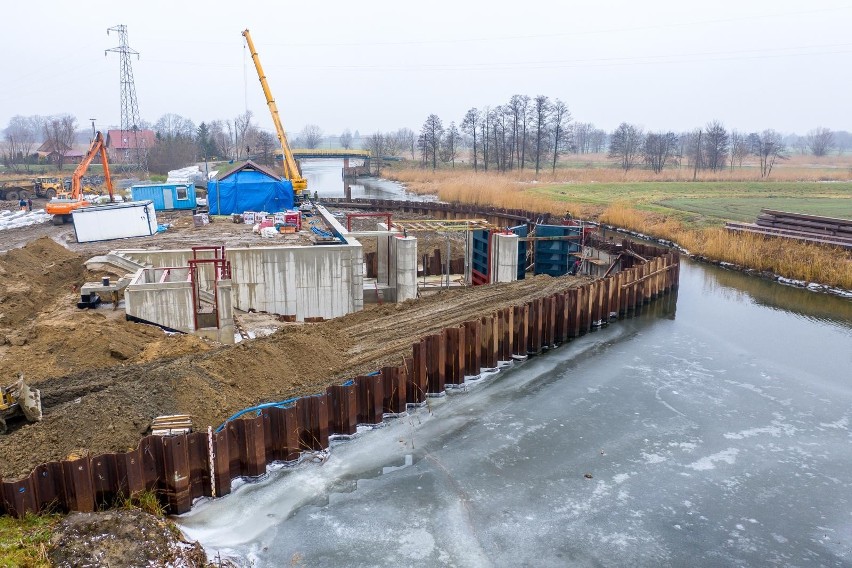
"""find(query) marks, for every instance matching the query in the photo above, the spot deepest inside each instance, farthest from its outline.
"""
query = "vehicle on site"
(15, 189)
(48, 187)
(291, 167)
(19, 400)
(71, 199)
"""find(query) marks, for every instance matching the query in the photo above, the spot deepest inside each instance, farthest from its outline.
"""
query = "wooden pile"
(809, 228)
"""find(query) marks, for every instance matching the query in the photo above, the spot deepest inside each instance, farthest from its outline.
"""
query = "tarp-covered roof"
(249, 187)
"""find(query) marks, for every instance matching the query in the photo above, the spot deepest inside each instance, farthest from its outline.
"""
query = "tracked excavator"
(67, 201)
(19, 400)
(291, 168)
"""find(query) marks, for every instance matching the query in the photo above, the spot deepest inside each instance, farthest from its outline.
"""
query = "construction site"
(136, 321)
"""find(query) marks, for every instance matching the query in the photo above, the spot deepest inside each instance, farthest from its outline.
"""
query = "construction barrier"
(184, 467)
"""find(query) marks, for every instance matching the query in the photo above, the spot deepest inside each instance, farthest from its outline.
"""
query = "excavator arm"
(98, 147)
(64, 204)
(291, 168)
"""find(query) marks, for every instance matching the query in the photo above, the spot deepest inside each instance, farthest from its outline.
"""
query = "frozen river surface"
(716, 436)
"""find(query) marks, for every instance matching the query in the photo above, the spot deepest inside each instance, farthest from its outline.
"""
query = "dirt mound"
(32, 277)
(121, 538)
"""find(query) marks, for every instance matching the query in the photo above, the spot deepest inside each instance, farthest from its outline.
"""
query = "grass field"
(23, 542)
(710, 203)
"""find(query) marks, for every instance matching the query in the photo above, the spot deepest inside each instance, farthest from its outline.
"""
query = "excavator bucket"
(30, 400)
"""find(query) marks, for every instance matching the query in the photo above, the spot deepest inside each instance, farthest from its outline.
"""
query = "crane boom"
(291, 168)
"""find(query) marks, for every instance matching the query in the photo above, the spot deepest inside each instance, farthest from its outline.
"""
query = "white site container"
(115, 221)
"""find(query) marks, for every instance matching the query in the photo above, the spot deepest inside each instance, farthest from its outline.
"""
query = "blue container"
(166, 196)
(555, 257)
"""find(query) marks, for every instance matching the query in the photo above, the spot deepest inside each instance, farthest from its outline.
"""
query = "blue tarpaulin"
(249, 190)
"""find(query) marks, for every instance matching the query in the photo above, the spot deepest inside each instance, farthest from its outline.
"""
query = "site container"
(166, 196)
(115, 221)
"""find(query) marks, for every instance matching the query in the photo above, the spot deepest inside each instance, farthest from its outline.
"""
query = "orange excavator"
(66, 202)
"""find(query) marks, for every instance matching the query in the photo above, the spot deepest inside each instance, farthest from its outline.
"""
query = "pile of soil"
(123, 537)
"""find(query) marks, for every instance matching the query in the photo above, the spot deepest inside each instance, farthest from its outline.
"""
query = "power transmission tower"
(134, 143)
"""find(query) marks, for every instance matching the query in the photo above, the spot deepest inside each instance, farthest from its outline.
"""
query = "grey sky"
(381, 65)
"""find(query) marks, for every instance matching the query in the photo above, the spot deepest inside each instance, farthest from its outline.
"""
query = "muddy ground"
(104, 379)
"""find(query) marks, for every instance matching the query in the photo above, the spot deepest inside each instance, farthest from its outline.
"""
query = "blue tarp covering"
(249, 190)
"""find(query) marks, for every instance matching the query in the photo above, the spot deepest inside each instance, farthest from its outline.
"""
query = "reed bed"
(787, 258)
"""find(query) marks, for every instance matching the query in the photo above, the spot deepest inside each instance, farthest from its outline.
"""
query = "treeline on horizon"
(524, 133)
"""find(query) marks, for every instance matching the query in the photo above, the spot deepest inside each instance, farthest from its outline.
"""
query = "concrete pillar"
(382, 257)
(504, 258)
(405, 255)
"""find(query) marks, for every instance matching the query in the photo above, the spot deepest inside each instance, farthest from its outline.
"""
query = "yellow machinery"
(66, 202)
(291, 168)
(19, 400)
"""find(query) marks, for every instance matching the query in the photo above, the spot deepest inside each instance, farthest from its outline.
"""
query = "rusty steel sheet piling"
(184, 467)
(370, 394)
(343, 409)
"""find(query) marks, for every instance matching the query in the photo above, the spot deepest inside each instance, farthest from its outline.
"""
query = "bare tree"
(769, 147)
(432, 132)
(172, 125)
(222, 138)
(524, 103)
(715, 146)
(597, 141)
(311, 136)
(820, 141)
(659, 149)
(540, 113)
(406, 140)
(739, 148)
(626, 144)
(266, 143)
(377, 145)
(471, 119)
(242, 126)
(450, 149)
(20, 138)
(559, 118)
(346, 139)
(59, 132)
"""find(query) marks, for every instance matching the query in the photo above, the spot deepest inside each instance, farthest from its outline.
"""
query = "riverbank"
(690, 214)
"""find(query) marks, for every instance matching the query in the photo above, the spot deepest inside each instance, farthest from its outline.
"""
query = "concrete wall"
(404, 255)
(309, 281)
(170, 304)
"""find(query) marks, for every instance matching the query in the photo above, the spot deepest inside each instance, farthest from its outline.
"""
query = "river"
(712, 430)
(324, 177)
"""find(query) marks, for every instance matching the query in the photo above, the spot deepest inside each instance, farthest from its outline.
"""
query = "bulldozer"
(19, 400)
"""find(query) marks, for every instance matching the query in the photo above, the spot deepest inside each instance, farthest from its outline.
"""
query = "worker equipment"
(19, 399)
(291, 168)
(67, 201)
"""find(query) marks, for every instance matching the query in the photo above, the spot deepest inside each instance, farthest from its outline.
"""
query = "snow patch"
(728, 456)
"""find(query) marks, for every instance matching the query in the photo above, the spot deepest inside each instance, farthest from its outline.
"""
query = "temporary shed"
(248, 187)
(166, 196)
(114, 221)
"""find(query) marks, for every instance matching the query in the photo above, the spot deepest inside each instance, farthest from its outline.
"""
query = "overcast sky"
(380, 65)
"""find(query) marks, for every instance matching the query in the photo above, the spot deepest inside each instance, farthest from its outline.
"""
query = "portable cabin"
(249, 187)
(114, 221)
(166, 196)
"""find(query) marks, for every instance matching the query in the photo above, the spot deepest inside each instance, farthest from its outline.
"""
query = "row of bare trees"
(24, 134)
(709, 148)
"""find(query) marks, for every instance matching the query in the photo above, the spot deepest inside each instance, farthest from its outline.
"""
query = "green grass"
(23, 542)
(711, 203)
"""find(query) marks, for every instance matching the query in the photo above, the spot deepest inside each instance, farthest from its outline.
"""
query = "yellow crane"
(291, 168)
